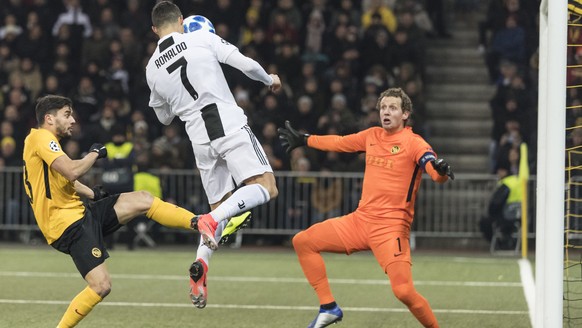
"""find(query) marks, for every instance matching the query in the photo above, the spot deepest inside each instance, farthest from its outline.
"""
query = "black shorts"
(83, 240)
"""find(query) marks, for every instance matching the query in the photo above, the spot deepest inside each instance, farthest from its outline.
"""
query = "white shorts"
(237, 156)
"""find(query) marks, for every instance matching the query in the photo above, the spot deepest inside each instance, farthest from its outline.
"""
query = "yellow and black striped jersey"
(53, 198)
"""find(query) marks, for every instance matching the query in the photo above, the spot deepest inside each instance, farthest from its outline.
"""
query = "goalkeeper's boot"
(326, 317)
(206, 225)
(198, 290)
(235, 224)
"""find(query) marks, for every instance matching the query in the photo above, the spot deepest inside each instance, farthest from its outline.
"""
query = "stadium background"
(472, 79)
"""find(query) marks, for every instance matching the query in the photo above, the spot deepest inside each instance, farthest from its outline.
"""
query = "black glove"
(99, 193)
(99, 149)
(443, 168)
(291, 138)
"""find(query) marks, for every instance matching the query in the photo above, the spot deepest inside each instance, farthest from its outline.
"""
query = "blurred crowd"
(509, 39)
(334, 57)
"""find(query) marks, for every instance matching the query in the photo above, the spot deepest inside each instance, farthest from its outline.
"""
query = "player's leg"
(337, 235)
(83, 241)
(392, 250)
(131, 204)
(247, 163)
(199, 269)
(400, 276)
(99, 286)
(237, 156)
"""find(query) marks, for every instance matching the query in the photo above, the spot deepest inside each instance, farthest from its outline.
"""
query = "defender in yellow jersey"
(50, 180)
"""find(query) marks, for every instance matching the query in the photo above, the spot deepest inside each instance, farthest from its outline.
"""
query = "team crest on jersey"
(96, 252)
(54, 146)
(395, 150)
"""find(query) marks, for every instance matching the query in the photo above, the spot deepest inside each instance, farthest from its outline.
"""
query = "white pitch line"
(262, 307)
(265, 279)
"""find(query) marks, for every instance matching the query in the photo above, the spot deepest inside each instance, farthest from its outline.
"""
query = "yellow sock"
(79, 307)
(169, 215)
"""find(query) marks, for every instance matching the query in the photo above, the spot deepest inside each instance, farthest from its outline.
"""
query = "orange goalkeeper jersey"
(394, 165)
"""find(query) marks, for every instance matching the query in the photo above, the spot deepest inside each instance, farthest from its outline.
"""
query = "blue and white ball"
(198, 23)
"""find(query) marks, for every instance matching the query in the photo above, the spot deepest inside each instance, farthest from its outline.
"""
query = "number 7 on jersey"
(182, 63)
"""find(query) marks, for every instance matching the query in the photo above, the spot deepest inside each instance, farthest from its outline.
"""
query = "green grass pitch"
(257, 287)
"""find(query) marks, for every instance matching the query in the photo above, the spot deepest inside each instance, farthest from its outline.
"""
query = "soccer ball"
(197, 23)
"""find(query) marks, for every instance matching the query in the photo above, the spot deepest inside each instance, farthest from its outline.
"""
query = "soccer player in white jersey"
(186, 80)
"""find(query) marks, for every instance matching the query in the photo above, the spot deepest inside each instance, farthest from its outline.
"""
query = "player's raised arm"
(291, 139)
(74, 169)
(253, 70)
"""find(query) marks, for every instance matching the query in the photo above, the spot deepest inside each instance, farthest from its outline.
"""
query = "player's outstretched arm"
(442, 168)
(291, 138)
(276, 86)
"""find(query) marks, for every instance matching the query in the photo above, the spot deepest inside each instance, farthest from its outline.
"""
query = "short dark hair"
(165, 12)
(397, 93)
(50, 104)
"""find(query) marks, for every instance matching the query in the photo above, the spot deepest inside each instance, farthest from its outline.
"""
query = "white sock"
(240, 201)
(203, 251)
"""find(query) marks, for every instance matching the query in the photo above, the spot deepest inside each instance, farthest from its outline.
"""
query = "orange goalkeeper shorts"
(388, 243)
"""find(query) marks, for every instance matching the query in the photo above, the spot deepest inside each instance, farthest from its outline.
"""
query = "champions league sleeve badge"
(54, 146)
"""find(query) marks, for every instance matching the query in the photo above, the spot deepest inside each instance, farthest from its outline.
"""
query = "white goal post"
(549, 255)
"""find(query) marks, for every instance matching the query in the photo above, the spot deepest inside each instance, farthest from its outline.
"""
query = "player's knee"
(404, 293)
(273, 191)
(102, 287)
(300, 241)
(144, 199)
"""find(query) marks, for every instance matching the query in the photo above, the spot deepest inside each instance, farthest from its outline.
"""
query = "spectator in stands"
(108, 24)
(139, 228)
(377, 7)
(118, 166)
(377, 49)
(172, 149)
(72, 149)
(508, 43)
(10, 30)
(35, 45)
(75, 17)
(51, 86)
(269, 137)
(9, 61)
(30, 75)
(8, 152)
(326, 196)
(437, 13)
(96, 48)
(101, 129)
(313, 36)
(505, 205)
(346, 14)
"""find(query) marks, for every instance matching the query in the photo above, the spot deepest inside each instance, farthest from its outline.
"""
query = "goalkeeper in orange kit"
(395, 160)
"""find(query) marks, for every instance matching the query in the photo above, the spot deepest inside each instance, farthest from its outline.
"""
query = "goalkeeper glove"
(99, 193)
(291, 138)
(443, 168)
(99, 149)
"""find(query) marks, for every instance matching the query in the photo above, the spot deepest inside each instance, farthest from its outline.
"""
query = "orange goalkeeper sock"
(400, 276)
(169, 215)
(79, 307)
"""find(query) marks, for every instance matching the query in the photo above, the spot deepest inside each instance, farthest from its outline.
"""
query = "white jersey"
(186, 80)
